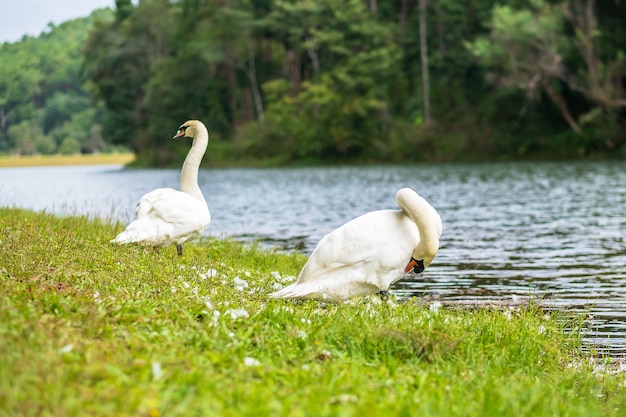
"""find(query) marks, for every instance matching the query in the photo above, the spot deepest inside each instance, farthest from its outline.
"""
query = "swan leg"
(384, 294)
(179, 249)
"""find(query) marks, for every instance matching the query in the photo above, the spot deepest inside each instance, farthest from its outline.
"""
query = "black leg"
(179, 249)
(384, 294)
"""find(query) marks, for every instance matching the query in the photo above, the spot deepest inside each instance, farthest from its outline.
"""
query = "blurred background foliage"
(324, 81)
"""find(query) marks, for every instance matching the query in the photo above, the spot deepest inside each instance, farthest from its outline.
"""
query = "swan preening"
(369, 253)
(165, 216)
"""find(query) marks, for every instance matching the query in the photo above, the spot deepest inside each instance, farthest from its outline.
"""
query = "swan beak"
(415, 265)
(181, 132)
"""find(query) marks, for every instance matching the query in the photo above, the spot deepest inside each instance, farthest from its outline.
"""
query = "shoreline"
(66, 160)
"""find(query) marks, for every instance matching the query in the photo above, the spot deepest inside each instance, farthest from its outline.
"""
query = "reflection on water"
(553, 232)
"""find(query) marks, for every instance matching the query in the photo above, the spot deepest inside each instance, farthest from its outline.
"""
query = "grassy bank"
(89, 328)
(51, 160)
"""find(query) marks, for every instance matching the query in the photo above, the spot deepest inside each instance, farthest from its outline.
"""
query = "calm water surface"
(554, 232)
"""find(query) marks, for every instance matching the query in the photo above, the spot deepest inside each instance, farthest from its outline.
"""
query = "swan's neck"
(427, 220)
(189, 173)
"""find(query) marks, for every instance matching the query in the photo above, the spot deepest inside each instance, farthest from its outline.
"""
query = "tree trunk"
(256, 93)
(404, 12)
(424, 55)
(560, 103)
(293, 69)
(316, 67)
(373, 6)
(3, 126)
(314, 61)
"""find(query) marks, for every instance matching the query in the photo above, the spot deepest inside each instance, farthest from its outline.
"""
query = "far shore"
(52, 160)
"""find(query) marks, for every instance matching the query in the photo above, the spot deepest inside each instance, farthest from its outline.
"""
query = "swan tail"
(125, 237)
(297, 291)
(134, 233)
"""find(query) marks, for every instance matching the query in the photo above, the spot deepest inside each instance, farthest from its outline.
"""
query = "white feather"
(369, 253)
(167, 216)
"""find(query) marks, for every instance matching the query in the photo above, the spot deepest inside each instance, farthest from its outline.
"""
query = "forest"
(324, 81)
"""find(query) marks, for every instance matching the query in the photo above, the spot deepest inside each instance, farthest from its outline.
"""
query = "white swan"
(368, 254)
(165, 215)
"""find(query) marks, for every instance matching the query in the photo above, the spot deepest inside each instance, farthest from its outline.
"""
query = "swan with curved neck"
(368, 254)
(165, 216)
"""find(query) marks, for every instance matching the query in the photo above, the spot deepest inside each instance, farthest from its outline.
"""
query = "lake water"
(551, 232)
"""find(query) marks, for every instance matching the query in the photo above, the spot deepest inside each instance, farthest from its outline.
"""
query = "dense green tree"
(324, 80)
(40, 87)
(535, 49)
(333, 100)
(118, 57)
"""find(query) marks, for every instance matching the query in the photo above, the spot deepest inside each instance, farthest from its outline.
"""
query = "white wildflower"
(277, 286)
(286, 309)
(240, 284)
(157, 372)
(301, 335)
(247, 361)
(66, 349)
(237, 313)
(305, 321)
(173, 290)
(215, 318)
(542, 329)
(209, 305)
(282, 279)
(507, 314)
(186, 284)
(344, 398)
(209, 273)
(435, 307)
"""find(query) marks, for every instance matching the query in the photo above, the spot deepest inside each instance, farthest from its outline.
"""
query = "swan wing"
(361, 257)
(379, 240)
(166, 215)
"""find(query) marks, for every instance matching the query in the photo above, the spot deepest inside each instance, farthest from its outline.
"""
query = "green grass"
(89, 328)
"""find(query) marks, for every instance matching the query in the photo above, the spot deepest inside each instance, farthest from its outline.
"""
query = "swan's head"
(188, 129)
(422, 256)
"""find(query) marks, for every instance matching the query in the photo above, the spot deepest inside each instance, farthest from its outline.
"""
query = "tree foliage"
(325, 80)
(42, 96)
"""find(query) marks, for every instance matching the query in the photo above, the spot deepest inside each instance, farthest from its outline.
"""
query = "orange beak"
(181, 132)
(414, 265)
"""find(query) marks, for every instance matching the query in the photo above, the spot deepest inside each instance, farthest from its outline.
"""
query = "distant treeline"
(317, 81)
